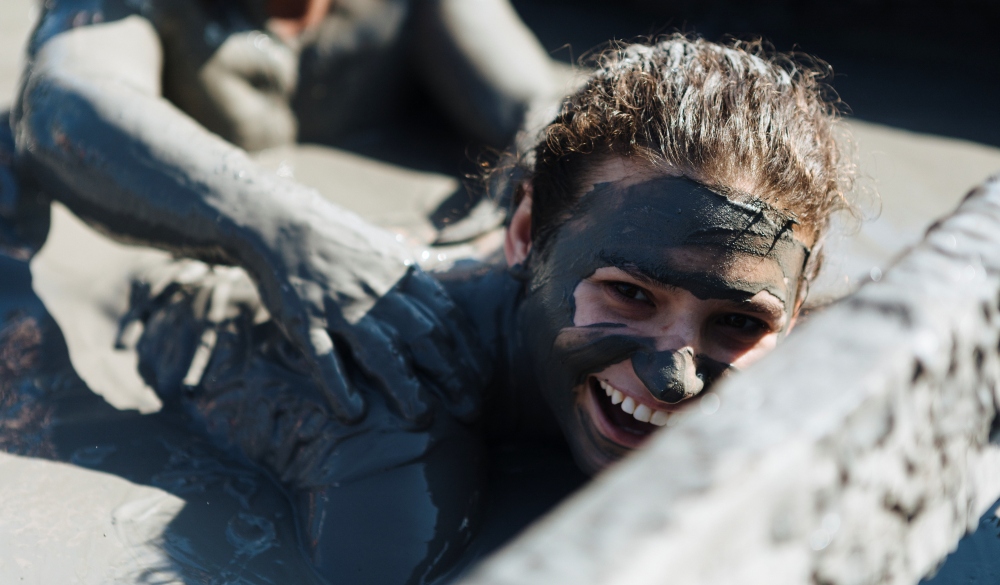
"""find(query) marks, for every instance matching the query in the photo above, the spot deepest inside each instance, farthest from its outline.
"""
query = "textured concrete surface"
(857, 453)
(905, 181)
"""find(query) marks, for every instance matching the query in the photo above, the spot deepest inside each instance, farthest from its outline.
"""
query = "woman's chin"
(597, 441)
(592, 460)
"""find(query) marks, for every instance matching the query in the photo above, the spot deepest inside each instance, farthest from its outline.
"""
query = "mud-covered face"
(645, 296)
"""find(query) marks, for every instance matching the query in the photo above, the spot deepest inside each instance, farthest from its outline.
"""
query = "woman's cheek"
(757, 351)
(589, 306)
(596, 303)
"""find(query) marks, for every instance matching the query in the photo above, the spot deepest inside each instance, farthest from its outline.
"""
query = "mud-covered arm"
(91, 125)
(486, 66)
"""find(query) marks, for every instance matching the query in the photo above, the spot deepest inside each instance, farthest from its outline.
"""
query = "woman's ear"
(517, 240)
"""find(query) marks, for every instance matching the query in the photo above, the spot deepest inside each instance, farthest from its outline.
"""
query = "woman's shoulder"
(487, 293)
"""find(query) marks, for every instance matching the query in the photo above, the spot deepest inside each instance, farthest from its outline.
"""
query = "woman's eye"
(742, 323)
(630, 292)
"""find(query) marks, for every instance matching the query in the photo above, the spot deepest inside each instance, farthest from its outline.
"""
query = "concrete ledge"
(857, 453)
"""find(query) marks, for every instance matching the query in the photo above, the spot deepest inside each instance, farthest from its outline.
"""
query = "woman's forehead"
(688, 235)
(626, 171)
(680, 210)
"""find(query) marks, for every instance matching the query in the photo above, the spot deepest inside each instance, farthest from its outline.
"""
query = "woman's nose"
(670, 376)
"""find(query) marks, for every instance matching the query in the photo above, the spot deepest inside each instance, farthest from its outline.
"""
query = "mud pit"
(140, 500)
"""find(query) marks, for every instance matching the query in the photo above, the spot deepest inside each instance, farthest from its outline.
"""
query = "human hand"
(414, 340)
(347, 295)
(228, 72)
(413, 344)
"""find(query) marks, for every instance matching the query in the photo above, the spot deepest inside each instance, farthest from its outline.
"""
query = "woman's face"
(653, 288)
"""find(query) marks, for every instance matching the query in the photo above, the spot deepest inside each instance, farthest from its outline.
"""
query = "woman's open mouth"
(619, 417)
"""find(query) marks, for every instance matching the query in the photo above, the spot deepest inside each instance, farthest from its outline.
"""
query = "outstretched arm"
(92, 126)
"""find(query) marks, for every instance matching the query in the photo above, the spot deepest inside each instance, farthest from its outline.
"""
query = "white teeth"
(640, 412)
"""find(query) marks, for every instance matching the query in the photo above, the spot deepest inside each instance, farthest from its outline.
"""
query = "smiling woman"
(703, 284)
(664, 232)
(667, 229)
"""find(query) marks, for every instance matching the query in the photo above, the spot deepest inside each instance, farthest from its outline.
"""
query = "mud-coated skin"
(93, 126)
(646, 229)
(669, 376)
(224, 67)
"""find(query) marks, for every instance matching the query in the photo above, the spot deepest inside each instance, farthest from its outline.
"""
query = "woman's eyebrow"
(643, 276)
(773, 309)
